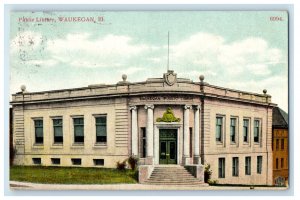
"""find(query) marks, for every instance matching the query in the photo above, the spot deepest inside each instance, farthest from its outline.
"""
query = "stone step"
(177, 183)
(171, 169)
(178, 179)
(175, 175)
(174, 180)
(182, 170)
(171, 174)
(179, 171)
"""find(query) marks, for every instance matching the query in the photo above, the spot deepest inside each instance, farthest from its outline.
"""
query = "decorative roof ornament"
(168, 116)
(170, 77)
(23, 88)
(124, 80)
(124, 77)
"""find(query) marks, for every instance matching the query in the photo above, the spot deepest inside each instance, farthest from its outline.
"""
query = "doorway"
(167, 146)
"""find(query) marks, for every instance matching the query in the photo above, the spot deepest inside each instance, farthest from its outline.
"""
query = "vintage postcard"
(149, 100)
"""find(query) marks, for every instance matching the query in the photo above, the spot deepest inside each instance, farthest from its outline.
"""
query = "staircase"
(172, 175)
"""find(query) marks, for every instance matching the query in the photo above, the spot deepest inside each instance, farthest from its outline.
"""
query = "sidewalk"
(15, 185)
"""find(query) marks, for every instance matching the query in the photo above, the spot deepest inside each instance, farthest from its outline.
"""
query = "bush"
(207, 173)
(121, 165)
(212, 182)
(133, 161)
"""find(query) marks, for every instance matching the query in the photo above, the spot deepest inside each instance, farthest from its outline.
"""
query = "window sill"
(100, 145)
(38, 146)
(57, 146)
(77, 145)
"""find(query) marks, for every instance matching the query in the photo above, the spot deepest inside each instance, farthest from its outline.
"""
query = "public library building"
(162, 121)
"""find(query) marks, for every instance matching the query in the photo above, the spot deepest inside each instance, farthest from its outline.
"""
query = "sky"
(240, 50)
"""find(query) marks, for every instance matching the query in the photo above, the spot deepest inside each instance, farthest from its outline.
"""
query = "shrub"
(212, 182)
(121, 165)
(207, 173)
(133, 161)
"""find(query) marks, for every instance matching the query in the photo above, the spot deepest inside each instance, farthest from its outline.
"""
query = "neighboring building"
(11, 147)
(165, 120)
(280, 147)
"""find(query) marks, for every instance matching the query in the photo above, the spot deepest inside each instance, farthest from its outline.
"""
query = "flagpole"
(168, 50)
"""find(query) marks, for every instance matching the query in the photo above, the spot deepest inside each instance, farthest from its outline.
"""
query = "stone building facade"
(162, 121)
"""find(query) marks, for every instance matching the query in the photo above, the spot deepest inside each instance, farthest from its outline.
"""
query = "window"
(245, 130)
(232, 129)
(282, 162)
(38, 129)
(276, 163)
(99, 162)
(235, 166)
(143, 142)
(277, 144)
(259, 164)
(221, 167)
(282, 144)
(78, 130)
(101, 131)
(256, 130)
(248, 165)
(76, 161)
(58, 130)
(37, 161)
(55, 161)
(219, 128)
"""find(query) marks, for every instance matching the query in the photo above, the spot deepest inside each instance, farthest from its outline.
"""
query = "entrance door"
(168, 146)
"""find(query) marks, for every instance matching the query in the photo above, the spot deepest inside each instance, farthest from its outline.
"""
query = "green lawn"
(71, 175)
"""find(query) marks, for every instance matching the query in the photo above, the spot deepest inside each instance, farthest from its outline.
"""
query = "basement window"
(55, 161)
(76, 161)
(99, 162)
(37, 161)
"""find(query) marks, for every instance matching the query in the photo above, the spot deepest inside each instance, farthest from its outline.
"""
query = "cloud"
(252, 55)
(197, 45)
(81, 50)
(27, 40)
(155, 59)
(75, 50)
(258, 69)
(251, 62)
(275, 85)
(42, 62)
(131, 70)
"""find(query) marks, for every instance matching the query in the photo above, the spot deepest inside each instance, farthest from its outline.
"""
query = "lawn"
(71, 175)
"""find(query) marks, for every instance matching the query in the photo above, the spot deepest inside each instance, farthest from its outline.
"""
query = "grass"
(71, 175)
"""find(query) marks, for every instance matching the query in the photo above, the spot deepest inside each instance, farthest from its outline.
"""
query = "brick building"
(280, 146)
